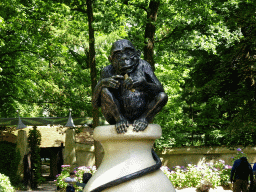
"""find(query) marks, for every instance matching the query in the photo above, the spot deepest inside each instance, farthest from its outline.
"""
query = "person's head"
(86, 177)
(243, 159)
(124, 56)
(72, 174)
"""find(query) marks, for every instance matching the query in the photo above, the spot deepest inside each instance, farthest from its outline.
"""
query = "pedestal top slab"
(101, 133)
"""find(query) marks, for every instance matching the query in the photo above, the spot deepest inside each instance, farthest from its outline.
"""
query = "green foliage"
(204, 54)
(34, 141)
(37, 69)
(217, 96)
(181, 177)
(5, 184)
(238, 155)
(9, 161)
(79, 171)
(216, 174)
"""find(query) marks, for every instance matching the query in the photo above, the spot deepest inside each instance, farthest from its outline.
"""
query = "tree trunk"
(150, 32)
(92, 64)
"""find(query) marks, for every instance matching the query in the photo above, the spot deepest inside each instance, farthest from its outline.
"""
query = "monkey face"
(124, 61)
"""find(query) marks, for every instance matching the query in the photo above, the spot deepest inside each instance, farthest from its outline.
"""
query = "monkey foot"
(140, 124)
(121, 126)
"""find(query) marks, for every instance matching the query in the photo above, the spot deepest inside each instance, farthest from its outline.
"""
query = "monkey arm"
(152, 84)
(107, 80)
(153, 87)
(96, 99)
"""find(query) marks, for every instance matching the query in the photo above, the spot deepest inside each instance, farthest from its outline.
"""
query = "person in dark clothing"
(254, 169)
(71, 181)
(27, 170)
(86, 177)
(240, 172)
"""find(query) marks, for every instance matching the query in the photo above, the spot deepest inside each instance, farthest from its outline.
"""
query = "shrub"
(34, 141)
(225, 172)
(5, 184)
(79, 171)
(214, 175)
(238, 155)
(193, 176)
(9, 161)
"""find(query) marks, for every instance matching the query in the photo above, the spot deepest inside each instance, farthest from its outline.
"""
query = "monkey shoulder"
(144, 66)
(148, 72)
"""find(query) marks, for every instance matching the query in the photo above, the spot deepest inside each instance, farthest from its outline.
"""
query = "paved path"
(46, 186)
(217, 189)
(50, 186)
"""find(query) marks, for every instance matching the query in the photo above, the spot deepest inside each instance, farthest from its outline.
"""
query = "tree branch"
(167, 36)
(79, 10)
(6, 96)
(139, 6)
(6, 53)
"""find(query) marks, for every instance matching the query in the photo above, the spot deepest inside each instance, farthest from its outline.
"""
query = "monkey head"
(124, 56)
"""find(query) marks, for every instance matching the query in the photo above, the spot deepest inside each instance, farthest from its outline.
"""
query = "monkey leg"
(111, 111)
(152, 109)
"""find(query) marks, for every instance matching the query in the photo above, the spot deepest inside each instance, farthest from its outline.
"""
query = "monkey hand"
(140, 125)
(138, 82)
(121, 126)
(112, 82)
(128, 83)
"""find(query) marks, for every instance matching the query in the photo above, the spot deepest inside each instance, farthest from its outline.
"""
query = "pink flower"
(238, 149)
(65, 165)
(228, 167)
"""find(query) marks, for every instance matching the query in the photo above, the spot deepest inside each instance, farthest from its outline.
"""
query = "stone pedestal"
(125, 154)
(22, 147)
(70, 149)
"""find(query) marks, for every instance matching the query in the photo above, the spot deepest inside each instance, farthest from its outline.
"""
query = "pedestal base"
(125, 154)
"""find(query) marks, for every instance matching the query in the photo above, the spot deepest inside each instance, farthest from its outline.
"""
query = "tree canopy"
(203, 52)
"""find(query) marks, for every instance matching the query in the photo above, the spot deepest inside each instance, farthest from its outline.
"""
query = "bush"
(224, 172)
(193, 176)
(214, 175)
(5, 184)
(34, 141)
(79, 171)
(238, 155)
(9, 161)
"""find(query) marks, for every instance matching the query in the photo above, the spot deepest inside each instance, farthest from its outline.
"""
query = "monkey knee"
(106, 98)
(105, 92)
